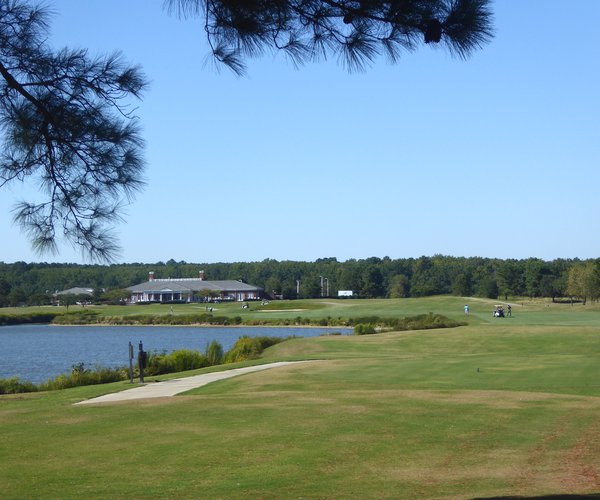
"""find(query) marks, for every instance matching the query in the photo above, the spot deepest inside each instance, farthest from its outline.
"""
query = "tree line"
(24, 283)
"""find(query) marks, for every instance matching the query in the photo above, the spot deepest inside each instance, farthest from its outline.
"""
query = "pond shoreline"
(40, 352)
(190, 325)
(166, 320)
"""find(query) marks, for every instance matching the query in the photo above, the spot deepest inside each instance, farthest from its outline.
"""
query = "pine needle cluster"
(356, 32)
(66, 121)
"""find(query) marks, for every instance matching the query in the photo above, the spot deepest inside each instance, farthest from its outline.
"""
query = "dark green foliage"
(372, 283)
(22, 283)
(117, 296)
(399, 286)
(364, 329)
(371, 324)
(423, 322)
(365, 320)
(81, 317)
(462, 285)
(430, 276)
(38, 299)
(16, 298)
(250, 348)
(177, 361)
(15, 386)
(488, 288)
(41, 318)
(4, 291)
(214, 353)
(510, 275)
(354, 32)
(84, 317)
(82, 376)
(67, 127)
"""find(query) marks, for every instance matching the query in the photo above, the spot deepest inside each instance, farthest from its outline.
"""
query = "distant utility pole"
(321, 286)
(327, 287)
(297, 289)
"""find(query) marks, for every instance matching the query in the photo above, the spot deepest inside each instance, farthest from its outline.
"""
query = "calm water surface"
(40, 352)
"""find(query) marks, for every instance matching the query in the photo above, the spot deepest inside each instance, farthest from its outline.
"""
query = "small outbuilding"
(77, 290)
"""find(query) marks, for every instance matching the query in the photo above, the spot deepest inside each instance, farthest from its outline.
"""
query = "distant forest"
(34, 283)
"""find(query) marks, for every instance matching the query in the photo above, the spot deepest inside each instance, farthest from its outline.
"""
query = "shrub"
(243, 349)
(14, 319)
(419, 322)
(364, 329)
(423, 322)
(61, 381)
(249, 348)
(82, 376)
(367, 320)
(178, 361)
(77, 318)
(214, 353)
(14, 386)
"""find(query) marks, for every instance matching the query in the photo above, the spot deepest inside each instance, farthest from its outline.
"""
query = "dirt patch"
(579, 472)
(575, 469)
(537, 471)
(501, 399)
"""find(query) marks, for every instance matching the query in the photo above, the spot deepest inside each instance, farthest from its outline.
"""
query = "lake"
(40, 352)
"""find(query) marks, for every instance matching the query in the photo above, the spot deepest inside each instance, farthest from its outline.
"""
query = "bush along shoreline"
(81, 318)
(157, 363)
(26, 319)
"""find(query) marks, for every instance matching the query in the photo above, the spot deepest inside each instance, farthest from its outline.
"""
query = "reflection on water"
(40, 352)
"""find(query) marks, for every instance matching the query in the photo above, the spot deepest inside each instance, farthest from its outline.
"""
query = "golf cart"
(498, 312)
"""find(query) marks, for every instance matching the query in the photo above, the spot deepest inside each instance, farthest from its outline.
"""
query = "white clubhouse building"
(192, 289)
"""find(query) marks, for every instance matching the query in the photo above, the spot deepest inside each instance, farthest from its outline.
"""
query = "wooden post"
(130, 363)
(141, 361)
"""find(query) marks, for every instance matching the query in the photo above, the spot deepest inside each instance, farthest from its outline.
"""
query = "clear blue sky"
(496, 156)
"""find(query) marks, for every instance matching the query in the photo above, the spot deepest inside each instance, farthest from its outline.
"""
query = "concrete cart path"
(178, 385)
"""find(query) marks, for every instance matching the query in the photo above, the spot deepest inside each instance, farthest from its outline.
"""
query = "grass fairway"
(495, 408)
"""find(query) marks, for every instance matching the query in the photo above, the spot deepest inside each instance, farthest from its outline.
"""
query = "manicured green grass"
(525, 311)
(496, 408)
